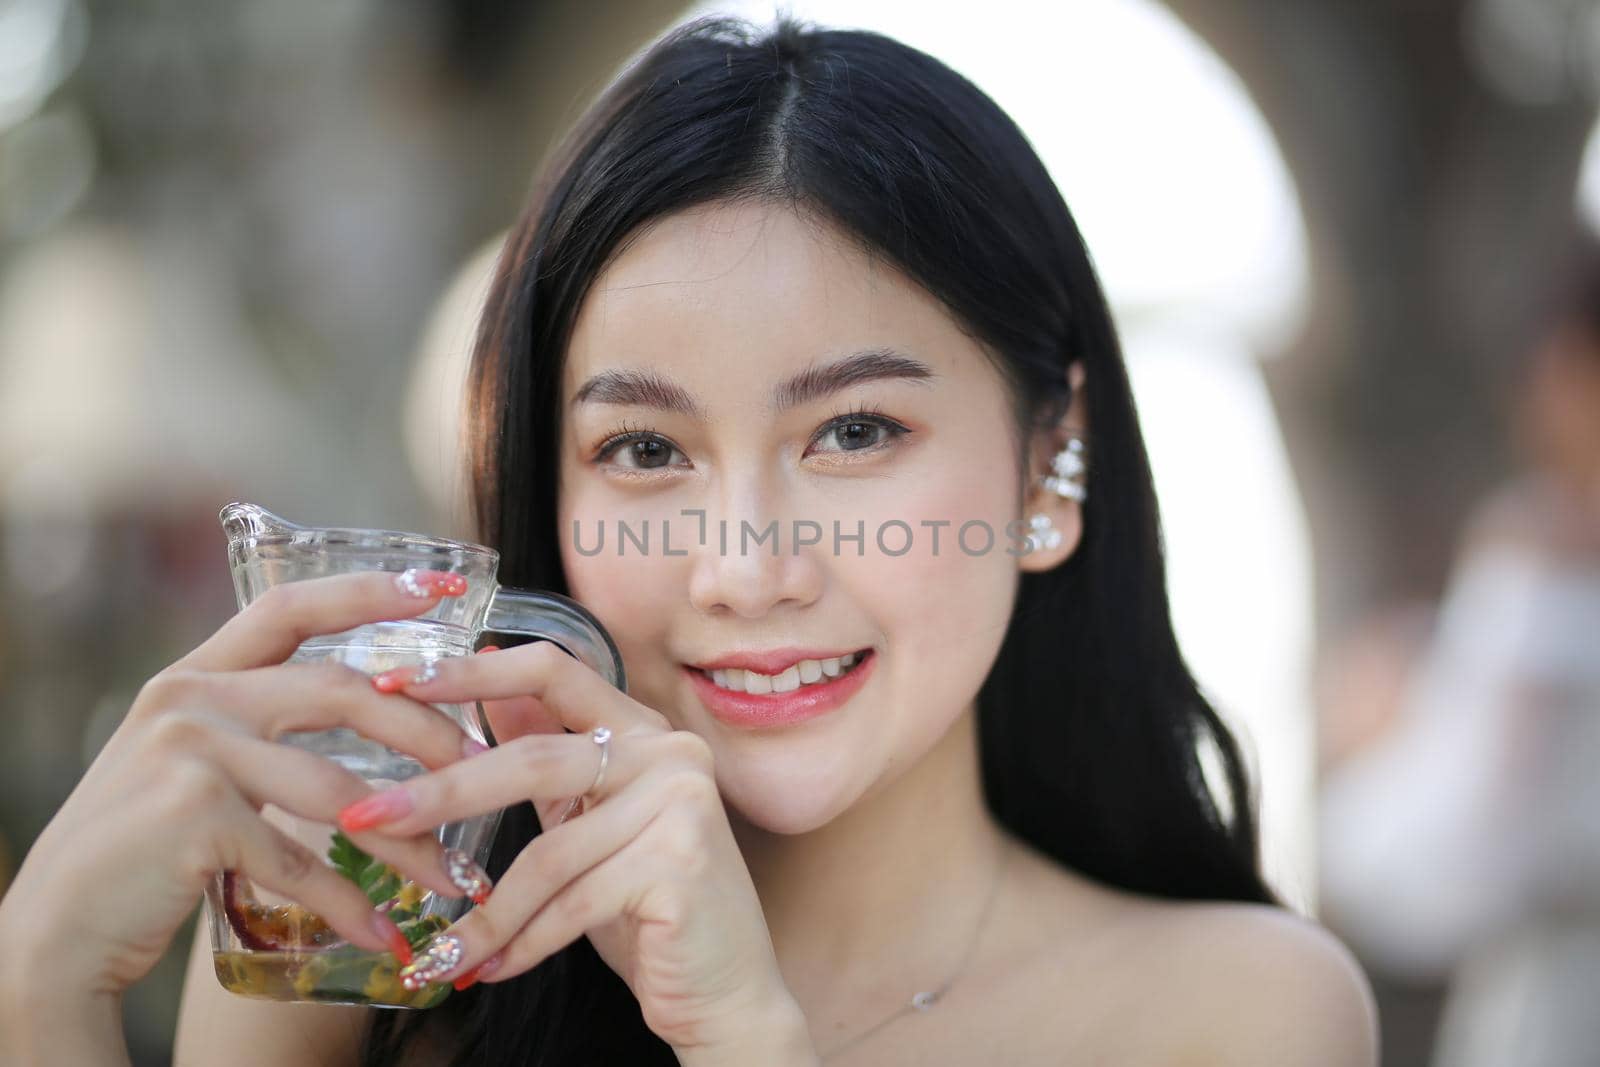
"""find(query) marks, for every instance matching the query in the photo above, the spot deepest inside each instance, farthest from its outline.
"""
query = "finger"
(516, 716)
(271, 701)
(277, 862)
(568, 688)
(598, 896)
(285, 616)
(585, 880)
(312, 787)
(548, 869)
(538, 767)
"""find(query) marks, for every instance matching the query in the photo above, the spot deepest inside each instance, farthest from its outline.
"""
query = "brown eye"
(637, 450)
(650, 453)
(859, 433)
(854, 435)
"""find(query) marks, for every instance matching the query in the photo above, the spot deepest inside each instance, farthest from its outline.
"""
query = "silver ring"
(600, 735)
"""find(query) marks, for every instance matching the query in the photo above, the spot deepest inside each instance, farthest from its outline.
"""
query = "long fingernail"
(381, 807)
(467, 876)
(392, 681)
(488, 648)
(437, 960)
(386, 929)
(423, 584)
(482, 970)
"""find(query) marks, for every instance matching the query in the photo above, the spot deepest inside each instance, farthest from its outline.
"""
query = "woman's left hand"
(650, 870)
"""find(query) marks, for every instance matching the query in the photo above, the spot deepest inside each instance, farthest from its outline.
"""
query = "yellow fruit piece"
(383, 984)
(308, 977)
(410, 896)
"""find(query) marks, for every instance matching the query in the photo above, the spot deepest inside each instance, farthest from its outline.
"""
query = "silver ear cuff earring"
(1066, 480)
(1069, 467)
(1043, 533)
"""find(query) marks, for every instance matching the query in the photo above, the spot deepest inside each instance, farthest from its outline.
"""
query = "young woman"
(885, 788)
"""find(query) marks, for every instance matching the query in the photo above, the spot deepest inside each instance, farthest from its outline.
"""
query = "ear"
(1066, 515)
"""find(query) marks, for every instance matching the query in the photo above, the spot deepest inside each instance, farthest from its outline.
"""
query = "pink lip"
(772, 661)
(756, 710)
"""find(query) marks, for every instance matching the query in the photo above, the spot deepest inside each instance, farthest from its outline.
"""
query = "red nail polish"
(398, 945)
(423, 584)
(392, 681)
(379, 808)
(481, 970)
(489, 648)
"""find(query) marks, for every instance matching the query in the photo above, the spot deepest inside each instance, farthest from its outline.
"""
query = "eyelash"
(625, 434)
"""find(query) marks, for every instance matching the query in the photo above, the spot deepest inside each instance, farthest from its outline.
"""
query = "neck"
(883, 900)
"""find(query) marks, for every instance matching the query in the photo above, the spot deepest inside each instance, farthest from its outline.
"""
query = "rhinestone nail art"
(392, 681)
(467, 876)
(439, 958)
(423, 584)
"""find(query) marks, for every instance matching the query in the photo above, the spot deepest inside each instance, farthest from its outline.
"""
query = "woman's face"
(691, 343)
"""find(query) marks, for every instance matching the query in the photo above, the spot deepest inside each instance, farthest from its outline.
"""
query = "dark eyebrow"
(641, 388)
(814, 383)
(646, 388)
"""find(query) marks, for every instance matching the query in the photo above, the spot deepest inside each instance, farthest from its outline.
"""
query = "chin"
(767, 804)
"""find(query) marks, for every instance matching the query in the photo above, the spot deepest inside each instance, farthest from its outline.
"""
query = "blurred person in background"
(1461, 837)
(737, 209)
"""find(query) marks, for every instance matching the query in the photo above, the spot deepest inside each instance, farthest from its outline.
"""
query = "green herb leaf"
(347, 858)
(420, 931)
(377, 879)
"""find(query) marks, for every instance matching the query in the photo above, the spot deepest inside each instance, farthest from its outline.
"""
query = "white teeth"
(805, 672)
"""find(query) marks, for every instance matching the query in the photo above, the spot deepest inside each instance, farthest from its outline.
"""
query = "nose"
(751, 567)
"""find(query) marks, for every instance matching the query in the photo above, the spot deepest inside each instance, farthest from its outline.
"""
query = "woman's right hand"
(175, 795)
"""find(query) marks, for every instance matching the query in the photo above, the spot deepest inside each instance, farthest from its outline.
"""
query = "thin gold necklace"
(924, 1001)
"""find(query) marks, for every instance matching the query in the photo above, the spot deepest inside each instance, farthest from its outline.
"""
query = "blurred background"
(242, 247)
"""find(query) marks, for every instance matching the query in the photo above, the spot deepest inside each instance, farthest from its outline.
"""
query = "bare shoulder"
(1251, 984)
(1081, 971)
(1129, 978)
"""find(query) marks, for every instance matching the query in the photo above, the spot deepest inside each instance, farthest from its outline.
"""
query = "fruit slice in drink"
(273, 927)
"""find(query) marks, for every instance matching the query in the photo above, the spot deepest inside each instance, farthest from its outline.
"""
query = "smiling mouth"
(801, 675)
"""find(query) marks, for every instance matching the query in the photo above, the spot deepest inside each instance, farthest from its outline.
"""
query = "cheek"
(943, 608)
(633, 595)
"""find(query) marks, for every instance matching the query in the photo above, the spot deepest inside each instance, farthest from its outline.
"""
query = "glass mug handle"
(563, 620)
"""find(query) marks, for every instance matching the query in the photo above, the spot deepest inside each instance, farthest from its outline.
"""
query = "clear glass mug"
(264, 945)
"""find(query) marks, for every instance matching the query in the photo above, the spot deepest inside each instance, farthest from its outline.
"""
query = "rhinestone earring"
(1042, 533)
(1069, 466)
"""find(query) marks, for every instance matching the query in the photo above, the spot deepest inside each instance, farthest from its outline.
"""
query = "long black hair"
(1091, 727)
